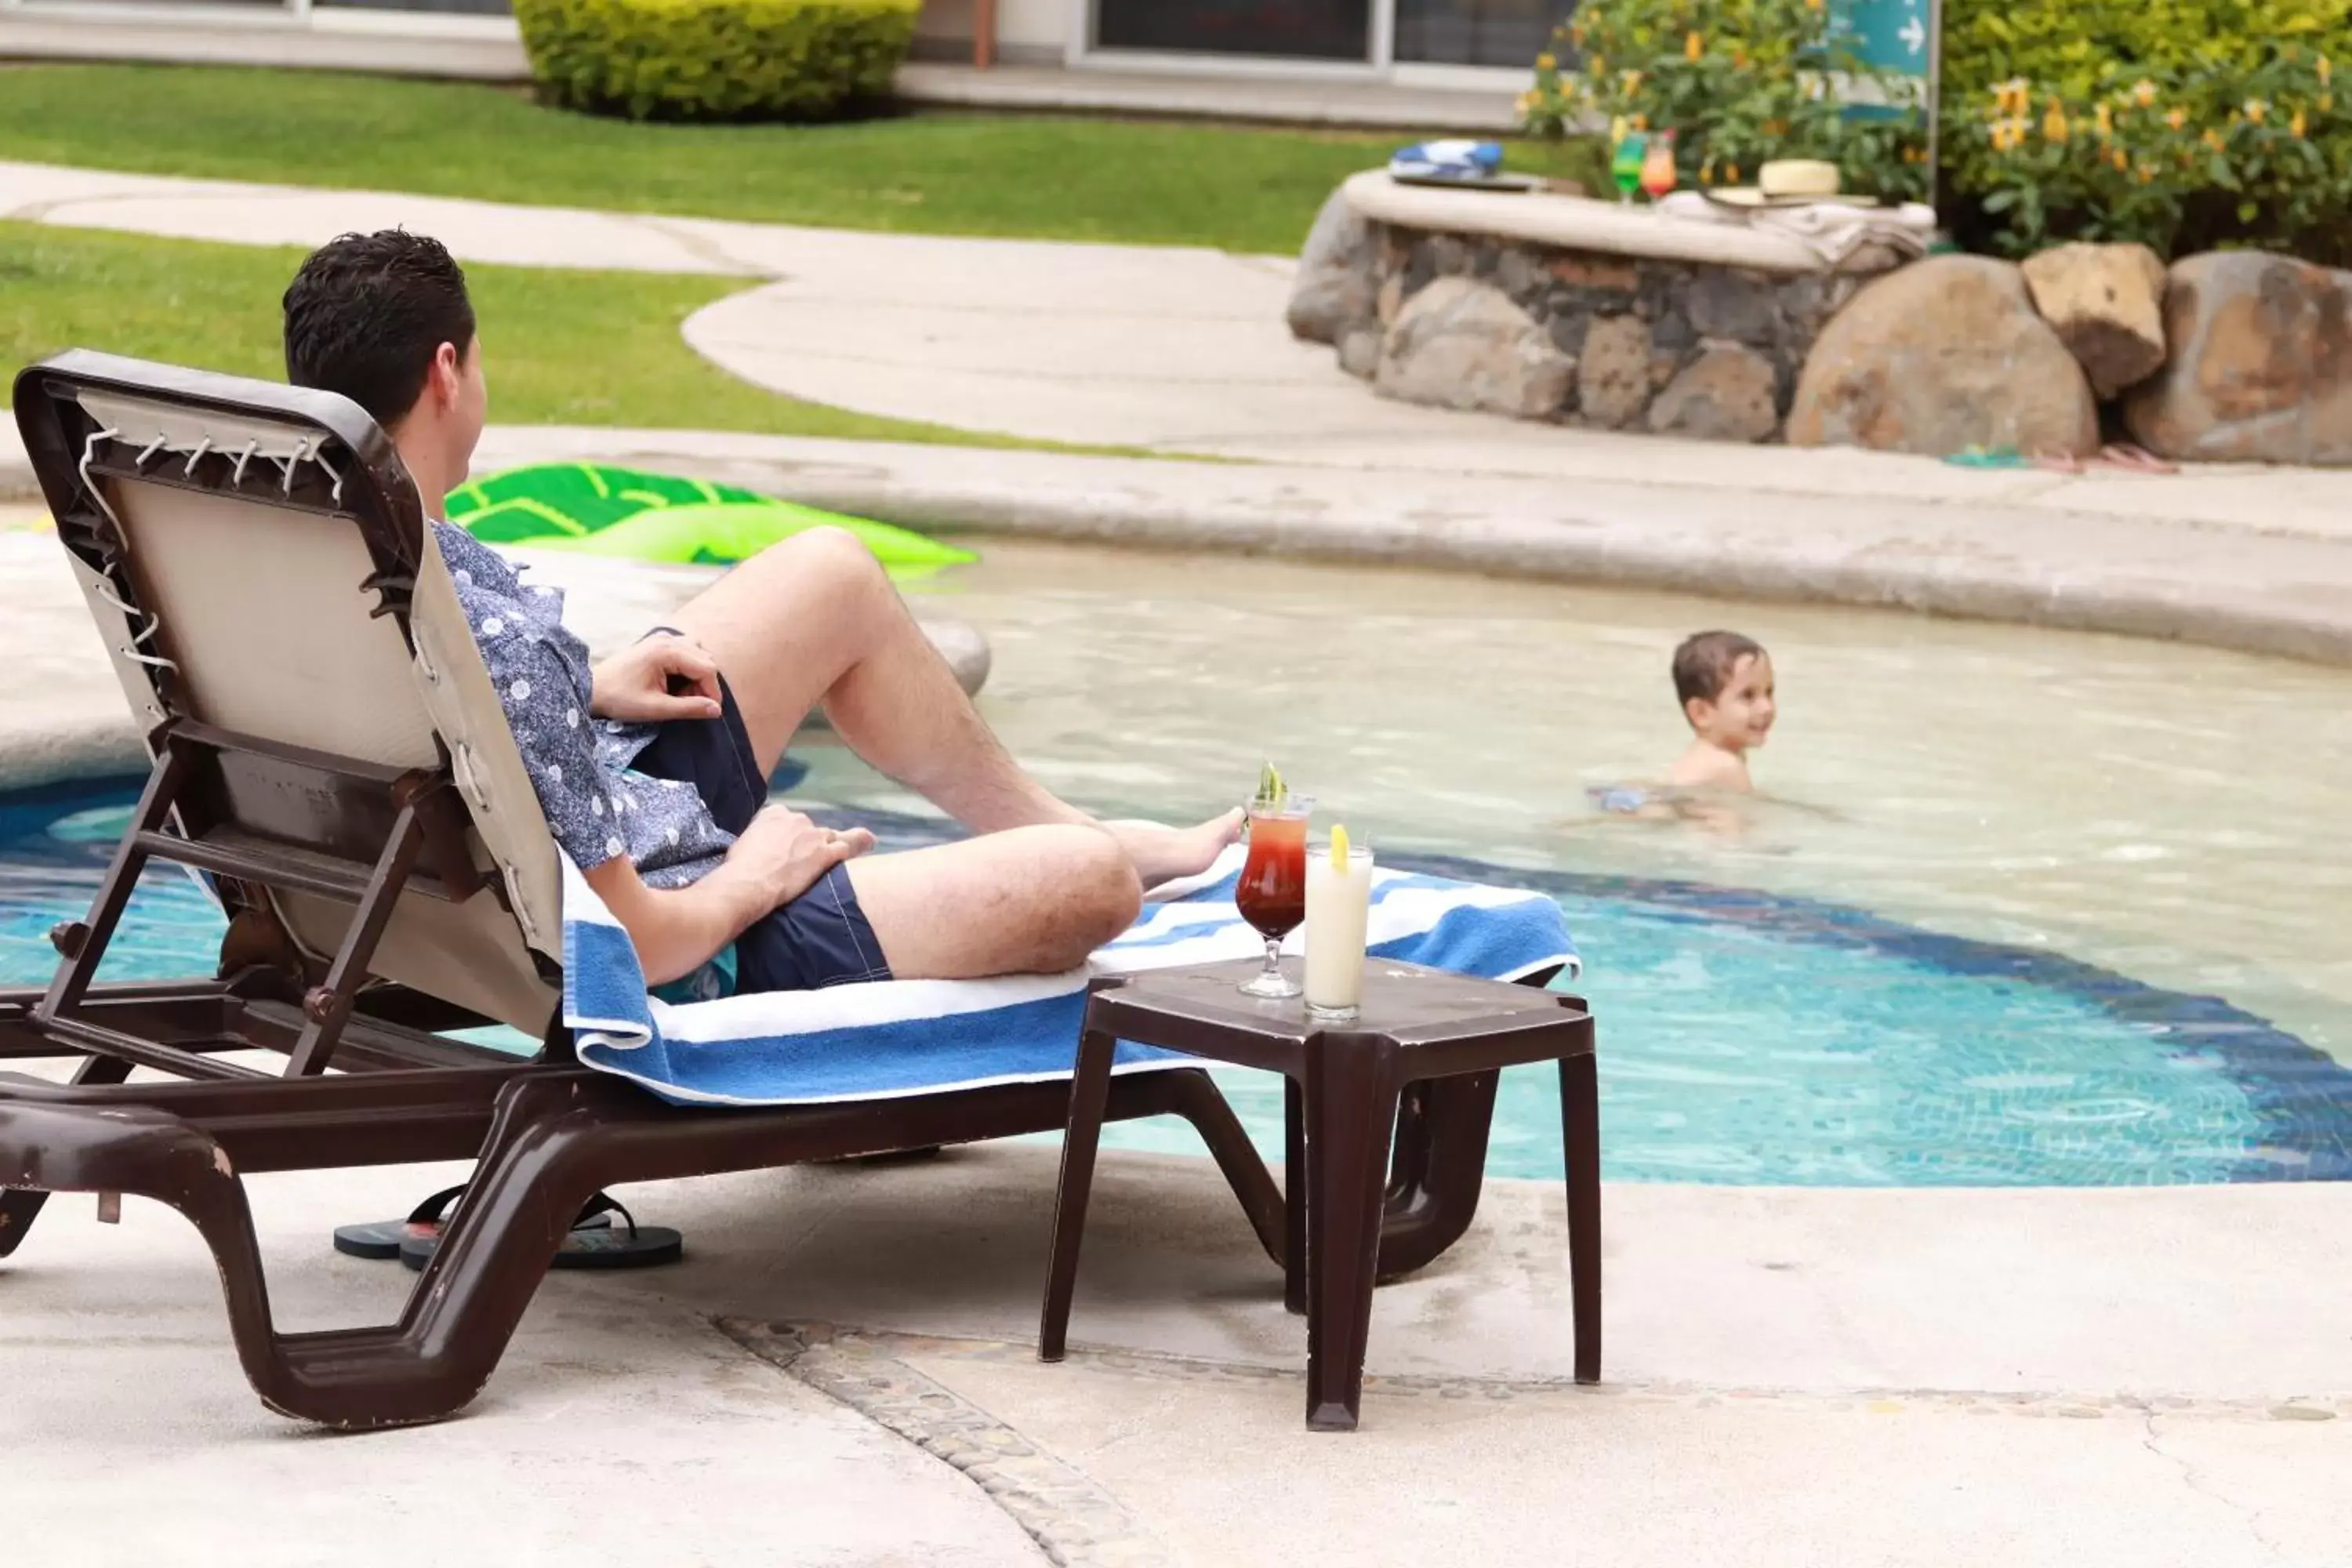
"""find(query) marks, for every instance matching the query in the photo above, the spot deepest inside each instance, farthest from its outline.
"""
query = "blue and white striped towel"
(914, 1037)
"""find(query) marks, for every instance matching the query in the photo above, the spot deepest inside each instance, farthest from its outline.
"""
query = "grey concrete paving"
(1794, 1377)
(1562, 1478)
(1339, 103)
(332, 38)
(645, 1437)
(1177, 349)
(2280, 584)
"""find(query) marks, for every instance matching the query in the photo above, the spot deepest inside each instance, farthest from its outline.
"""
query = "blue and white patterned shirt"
(597, 806)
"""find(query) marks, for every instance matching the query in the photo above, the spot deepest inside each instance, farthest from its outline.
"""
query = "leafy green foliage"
(1739, 82)
(2185, 124)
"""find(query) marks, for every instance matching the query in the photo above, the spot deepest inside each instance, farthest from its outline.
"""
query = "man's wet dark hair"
(1703, 665)
(366, 314)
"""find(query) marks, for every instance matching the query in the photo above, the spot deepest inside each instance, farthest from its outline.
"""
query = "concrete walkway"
(1181, 350)
(2285, 590)
(2063, 1378)
(1336, 102)
(1172, 349)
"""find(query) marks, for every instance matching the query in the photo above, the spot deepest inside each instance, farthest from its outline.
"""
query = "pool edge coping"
(2276, 593)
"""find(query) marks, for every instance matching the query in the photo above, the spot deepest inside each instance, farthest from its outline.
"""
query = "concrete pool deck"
(1922, 1377)
(2277, 585)
(1183, 350)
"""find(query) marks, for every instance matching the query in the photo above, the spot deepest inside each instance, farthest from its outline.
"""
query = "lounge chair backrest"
(257, 559)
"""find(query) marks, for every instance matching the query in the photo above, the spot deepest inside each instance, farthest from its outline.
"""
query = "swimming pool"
(1747, 1038)
(2027, 907)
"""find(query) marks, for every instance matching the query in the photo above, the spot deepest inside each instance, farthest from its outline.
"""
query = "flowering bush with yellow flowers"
(2185, 125)
(1739, 81)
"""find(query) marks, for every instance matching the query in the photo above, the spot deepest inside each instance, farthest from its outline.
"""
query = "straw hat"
(1788, 182)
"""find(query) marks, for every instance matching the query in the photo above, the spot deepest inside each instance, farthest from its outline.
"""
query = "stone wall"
(2239, 356)
(1539, 332)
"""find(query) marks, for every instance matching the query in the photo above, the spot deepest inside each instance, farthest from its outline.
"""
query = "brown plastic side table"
(1342, 1107)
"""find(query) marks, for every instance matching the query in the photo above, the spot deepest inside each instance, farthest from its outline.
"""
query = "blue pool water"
(1745, 1038)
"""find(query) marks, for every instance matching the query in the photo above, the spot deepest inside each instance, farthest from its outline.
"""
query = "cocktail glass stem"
(1271, 982)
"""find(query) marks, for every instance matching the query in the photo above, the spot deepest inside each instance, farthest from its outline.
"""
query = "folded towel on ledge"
(914, 1037)
(1832, 229)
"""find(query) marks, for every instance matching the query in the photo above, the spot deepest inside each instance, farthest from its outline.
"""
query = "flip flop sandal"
(625, 1245)
(381, 1239)
(2133, 459)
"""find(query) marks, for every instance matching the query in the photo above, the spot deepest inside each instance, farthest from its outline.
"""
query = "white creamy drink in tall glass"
(1338, 904)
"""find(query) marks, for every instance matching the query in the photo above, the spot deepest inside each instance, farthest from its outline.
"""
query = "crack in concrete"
(706, 248)
(2027, 1404)
(2193, 1479)
(1077, 1523)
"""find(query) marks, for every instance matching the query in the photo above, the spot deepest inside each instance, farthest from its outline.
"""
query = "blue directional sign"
(1897, 37)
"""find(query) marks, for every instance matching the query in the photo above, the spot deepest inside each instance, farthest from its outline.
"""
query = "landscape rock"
(1612, 374)
(1726, 393)
(2106, 302)
(1654, 318)
(1938, 356)
(1742, 306)
(2261, 365)
(1460, 344)
(1333, 289)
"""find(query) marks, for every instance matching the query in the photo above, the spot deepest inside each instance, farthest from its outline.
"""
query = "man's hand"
(784, 853)
(664, 676)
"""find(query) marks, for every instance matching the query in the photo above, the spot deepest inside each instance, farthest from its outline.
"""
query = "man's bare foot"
(1163, 854)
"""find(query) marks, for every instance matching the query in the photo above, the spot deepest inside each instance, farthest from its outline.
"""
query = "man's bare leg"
(815, 622)
(1028, 901)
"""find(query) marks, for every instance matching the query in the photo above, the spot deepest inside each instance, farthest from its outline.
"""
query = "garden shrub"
(1738, 81)
(714, 59)
(2184, 124)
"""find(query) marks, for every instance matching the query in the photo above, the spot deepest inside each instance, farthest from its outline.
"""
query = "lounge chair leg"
(1089, 1093)
(1351, 1099)
(1192, 1095)
(1580, 1127)
(329, 1007)
(20, 1206)
(1436, 1179)
(80, 966)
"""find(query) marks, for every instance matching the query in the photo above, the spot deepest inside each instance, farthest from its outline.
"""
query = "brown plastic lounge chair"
(327, 749)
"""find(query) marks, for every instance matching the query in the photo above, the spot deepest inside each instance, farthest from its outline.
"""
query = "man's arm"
(676, 930)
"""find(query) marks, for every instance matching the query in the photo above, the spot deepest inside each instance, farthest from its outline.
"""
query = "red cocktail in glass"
(1273, 892)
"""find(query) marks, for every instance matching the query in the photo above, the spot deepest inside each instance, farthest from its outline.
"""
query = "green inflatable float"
(606, 510)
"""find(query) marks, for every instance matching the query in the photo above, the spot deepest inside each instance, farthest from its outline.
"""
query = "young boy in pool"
(1723, 682)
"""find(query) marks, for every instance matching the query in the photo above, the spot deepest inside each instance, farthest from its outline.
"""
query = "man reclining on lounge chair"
(652, 767)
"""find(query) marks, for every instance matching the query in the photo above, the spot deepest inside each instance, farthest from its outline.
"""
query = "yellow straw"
(1338, 847)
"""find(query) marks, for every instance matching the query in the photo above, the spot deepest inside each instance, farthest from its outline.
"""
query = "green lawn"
(1238, 189)
(561, 347)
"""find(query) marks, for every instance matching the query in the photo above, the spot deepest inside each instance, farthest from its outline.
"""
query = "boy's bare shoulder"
(1709, 767)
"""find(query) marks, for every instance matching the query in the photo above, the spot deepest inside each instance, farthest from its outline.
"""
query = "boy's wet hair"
(1703, 663)
(366, 314)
